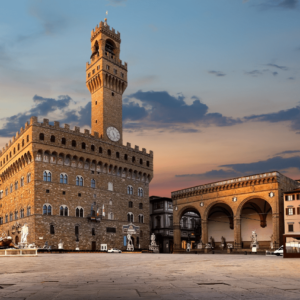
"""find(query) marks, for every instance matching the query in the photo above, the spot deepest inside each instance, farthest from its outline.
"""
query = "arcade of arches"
(230, 212)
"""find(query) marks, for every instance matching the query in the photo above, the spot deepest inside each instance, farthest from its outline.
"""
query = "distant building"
(292, 211)
(161, 216)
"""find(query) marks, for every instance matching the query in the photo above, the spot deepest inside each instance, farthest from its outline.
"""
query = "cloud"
(255, 73)
(292, 115)
(42, 107)
(279, 4)
(278, 67)
(291, 78)
(161, 110)
(217, 73)
(275, 73)
(277, 163)
(288, 152)
(116, 2)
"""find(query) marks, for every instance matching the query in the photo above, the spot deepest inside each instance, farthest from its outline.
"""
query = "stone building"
(161, 215)
(233, 208)
(292, 211)
(84, 189)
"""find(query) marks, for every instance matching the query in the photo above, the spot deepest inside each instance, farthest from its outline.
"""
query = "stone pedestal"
(154, 248)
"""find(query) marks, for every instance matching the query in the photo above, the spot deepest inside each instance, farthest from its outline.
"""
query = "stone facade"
(235, 207)
(42, 167)
(292, 212)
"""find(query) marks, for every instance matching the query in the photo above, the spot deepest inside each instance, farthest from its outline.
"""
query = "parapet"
(106, 30)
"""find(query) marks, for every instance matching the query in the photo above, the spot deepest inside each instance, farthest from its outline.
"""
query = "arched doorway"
(220, 225)
(256, 214)
(17, 240)
(190, 227)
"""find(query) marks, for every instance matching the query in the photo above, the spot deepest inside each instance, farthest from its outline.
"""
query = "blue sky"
(219, 76)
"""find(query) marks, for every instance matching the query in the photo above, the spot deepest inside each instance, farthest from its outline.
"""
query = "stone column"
(237, 233)
(204, 232)
(276, 234)
(177, 237)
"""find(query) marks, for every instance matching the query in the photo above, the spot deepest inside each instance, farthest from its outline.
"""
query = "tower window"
(115, 71)
(107, 67)
(89, 75)
(148, 164)
(52, 229)
(52, 139)
(63, 141)
(110, 47)
(133, 159)
(95, 102)
(109, 152)
(98, 67)
(117, 155)
(42, 137)
(100, 149)
(73, 143)
(83, 146)
(93, 148)
(96, 121)
(112, 93)
(122, 75)
(94, 71)
(126, 157)
(141, 161)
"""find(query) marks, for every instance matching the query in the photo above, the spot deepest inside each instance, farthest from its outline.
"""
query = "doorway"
(93, 246)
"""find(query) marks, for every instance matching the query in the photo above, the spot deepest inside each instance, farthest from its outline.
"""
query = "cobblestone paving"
(149, 276)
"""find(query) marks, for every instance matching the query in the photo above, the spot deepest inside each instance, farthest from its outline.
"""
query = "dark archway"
(220, 224)
(256, 214)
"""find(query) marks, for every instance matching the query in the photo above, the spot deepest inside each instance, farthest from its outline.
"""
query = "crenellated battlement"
(104, 28)
(66, 129)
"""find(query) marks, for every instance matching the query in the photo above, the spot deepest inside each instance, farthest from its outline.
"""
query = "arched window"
(130, 204)
(140, 192)
(141, 161)
(11, 217)
(63, 178)
(28, 211)
(129, 190)
(16, 215)
(133, 159)
(6, 218)
(93, 148)
(76, 230)
(109, 152)
(63, 211)
(148, 164)
(47, 176)
(140, 205)
(141, 219)
(117, 155)
(125, 156)
(1, 194)
(79, 180)
(22, 181)
(6, 191)
(110, 47)
(73, 143)
(28, 177)
(83, 146)
(52, 229)
(63, 141)
(27, 138)
(100, 150)
(14, 150)
(47, 209)
(79, 212)
(110, 186)
(93, 183)
(130, 217)
(11, 188)
(16, 185)
(23, 143)
(42, 137)
(52, 139)
(22, 213)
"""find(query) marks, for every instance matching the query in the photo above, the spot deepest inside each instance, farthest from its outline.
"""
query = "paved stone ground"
(149, 276)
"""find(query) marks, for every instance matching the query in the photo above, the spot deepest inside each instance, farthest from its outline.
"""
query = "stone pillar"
(276, 234)
(204, 232)
(237, 233)
(177, 237)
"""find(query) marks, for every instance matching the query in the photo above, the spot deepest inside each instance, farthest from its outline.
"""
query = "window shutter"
(293, 197)
(287, 211)
(293, 211)
(286, 198)
(298, 196)
(298, 210)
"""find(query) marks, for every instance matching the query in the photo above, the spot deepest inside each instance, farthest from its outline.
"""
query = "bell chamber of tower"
(106, 79)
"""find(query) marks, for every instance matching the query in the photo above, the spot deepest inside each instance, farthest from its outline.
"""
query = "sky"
(213, 85)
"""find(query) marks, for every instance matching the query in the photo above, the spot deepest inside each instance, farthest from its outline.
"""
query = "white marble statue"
(254, 237)
(153, 243)
(24, 234)
(130, 246)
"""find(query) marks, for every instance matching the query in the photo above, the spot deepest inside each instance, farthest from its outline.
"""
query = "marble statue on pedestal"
(254, 242)
(130, 246)
(153, 247)
(24, 234)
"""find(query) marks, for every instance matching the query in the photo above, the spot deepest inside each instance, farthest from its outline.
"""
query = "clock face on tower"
(113, 133)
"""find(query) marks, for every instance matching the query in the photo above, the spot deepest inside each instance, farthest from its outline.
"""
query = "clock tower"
(106, 79)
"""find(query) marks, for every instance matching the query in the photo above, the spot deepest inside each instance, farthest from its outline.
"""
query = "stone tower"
(106, 79)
